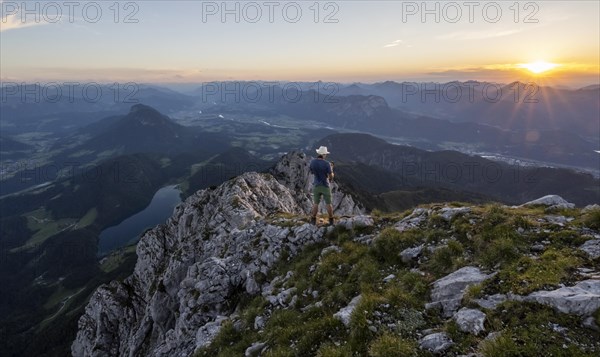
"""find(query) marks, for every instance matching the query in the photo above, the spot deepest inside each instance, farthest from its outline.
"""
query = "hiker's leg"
(316, 200)
(330, 210)
(315, 209)
(327, 197)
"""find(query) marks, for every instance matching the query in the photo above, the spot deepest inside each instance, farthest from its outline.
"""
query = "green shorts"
(324, 191)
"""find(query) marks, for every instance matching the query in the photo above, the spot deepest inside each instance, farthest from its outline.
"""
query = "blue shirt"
(321, 169)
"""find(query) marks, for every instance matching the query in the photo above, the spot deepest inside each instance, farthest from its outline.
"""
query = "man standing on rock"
(323, 172)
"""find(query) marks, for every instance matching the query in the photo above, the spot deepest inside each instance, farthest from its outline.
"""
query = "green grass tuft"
(592, 219)
(528, 275)
(390, 242)
(390, 345)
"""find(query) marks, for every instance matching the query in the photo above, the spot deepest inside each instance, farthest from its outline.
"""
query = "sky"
(342, 41)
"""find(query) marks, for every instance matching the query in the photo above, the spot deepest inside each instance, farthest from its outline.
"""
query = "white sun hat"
(322, 150)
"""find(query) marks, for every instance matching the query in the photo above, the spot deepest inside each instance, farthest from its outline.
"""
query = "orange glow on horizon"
(539, 66)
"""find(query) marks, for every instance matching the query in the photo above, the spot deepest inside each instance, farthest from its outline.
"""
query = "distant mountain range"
(547, 125)
(414, 168)
(371, 113)
(60, 109)
(516, 106)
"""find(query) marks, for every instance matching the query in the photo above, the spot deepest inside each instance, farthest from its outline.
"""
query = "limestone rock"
(207, 333)
(409, 254)
(470, 320)
(448, 213)
(330, 249)
(436, 342)
(590, 208)
(581, 299)
(254, 349)
(490, 302)
(346, 312)
(592, 248)
(414, 220)
(553, 201)
(448, 291)
(359, 221)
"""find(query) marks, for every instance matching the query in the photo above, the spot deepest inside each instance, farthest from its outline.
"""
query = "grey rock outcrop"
(414, 220)
(580, 299)
(345, 313)
(470, 320)
(436, 342)
(215, 244)
(409, 254)
(592, 248)
(492, 301)
(208, 332)
(254, 349)
(359, 221)
(448, 291)
(590, 208)
(448, 213)
(552, 201)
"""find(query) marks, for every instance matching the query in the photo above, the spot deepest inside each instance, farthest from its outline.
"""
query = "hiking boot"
(331, 221)
(313, 220)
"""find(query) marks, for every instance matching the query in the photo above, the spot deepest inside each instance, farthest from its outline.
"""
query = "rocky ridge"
(436, 280)
(217, 244)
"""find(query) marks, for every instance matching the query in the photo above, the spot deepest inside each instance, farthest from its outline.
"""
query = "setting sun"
(539, 66)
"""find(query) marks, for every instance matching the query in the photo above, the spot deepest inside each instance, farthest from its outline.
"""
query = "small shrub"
(415, 284)
(365, 273)
(462, 341)
(501, 346)
(340, 234)
(376, 213)
(446, 259)
(522, 222)
(314, 332)
(528, 275)
(592, 219)
(495, 216)
(473, 292)
(437, 221)
(390, 242)
(389, 345)
(565, 237)
(498, 252)
(228, 342)
(331, 350)
(435, 235)
(360, 335)
(529, 328)
(280, 351)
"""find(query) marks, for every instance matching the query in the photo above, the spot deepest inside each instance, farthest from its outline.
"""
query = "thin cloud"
(393, 44)
(14, 22)
(477, 35)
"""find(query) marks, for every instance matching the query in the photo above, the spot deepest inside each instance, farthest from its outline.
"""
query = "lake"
(128, 231)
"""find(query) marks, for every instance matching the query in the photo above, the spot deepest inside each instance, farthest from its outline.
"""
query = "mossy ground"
(391, 316)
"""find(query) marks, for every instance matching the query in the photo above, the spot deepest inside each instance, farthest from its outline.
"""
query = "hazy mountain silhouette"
(144, 129)
(457, 171)
(516, 106)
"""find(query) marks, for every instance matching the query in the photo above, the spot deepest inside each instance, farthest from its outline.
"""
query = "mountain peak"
(142, 108)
